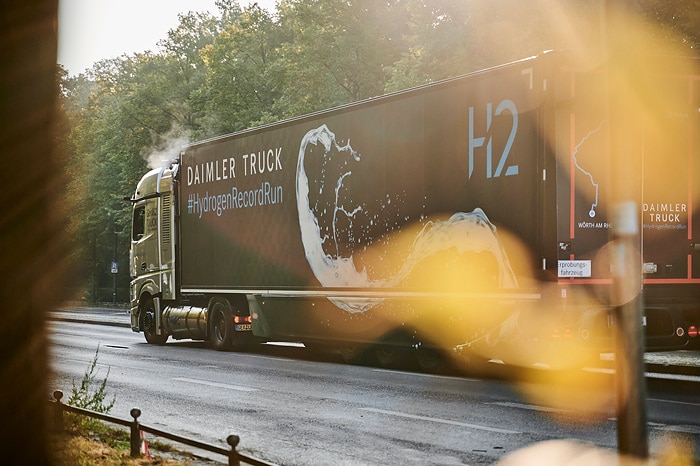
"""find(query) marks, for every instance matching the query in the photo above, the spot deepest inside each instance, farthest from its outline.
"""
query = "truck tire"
(148, 324)
(429, 360)
(389, 356)
(392, 350)
(355, 354)
(221, 330)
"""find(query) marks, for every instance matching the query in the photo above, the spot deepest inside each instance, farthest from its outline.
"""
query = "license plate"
(244, 327)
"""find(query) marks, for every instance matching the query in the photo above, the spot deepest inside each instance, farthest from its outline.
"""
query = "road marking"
(268, 358)
(682, 429)
(543, 409)
(649, 375)
(674, 402)
(216, 384)
(392, 371)
(420, 374)
(441, 421)
(288, 344)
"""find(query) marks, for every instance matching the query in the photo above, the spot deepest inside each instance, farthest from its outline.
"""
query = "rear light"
(242, 319)
(692, 331)
(680, 332)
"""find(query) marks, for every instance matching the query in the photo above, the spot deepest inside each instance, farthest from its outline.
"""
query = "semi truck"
(467, 214)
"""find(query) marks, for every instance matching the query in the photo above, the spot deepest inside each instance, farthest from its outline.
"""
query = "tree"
(243, 80)
(121, 111)
(447, 38)
(336, 51)
(86, 188)
(675, 21)
(183, 74)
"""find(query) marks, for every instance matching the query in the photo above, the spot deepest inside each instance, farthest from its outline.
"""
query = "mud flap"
(159, 315)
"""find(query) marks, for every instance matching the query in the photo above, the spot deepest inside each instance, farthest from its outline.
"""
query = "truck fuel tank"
(186, 322)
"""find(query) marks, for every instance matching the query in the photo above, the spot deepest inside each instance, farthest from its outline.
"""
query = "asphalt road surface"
(293, 407)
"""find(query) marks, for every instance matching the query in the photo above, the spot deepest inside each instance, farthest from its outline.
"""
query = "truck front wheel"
(149, 324)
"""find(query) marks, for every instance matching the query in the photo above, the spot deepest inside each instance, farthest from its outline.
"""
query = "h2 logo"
(474, 142)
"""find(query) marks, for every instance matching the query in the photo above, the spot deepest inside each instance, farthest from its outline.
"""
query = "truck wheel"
(353, 354)
(429, 360)
(149, 325)
(389, 356)
(221, 330)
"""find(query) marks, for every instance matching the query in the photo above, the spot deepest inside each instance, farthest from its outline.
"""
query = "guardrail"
(234, 457)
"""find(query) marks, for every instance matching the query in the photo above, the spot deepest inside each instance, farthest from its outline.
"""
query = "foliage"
(337, 52)
(242, 81)
(248, 66)
(91, 394)
(111, 446)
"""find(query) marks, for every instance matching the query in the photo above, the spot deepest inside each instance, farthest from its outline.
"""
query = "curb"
(90, 319)
(693, 371)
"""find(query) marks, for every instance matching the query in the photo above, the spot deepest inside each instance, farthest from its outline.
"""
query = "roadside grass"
(100, 444)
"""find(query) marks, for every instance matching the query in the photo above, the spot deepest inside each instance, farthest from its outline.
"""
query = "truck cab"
(152, 256)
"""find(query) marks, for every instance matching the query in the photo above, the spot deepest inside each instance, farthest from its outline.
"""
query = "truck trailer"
(470, 213)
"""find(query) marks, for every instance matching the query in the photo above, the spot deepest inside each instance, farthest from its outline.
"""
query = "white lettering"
(210, 172)
(264, 161)
(278, 164)
(487, 140)
(665, 207)
(245, 164)
(254, 163)
(253, 158)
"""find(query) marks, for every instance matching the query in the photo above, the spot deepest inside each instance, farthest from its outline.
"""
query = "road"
(291, 407)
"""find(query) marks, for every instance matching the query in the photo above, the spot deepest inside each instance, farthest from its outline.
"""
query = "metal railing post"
(58, 411)
(233, 441)
(135, 433)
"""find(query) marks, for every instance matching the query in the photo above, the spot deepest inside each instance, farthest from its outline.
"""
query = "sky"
(93, 30)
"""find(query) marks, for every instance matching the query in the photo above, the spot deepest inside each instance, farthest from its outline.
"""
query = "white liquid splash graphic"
(463, 232)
